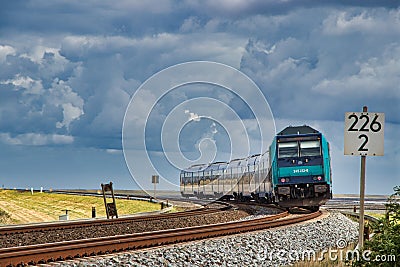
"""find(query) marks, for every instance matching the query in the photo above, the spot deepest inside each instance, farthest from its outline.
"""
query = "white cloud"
(31, 86)
(32, 74)
(374, 76)
(163, 49)
(113, 151)
(35, 139)
(375, 22)
(37, 52)
(6, 50)
(70, 114)
(86, 45)
(193, 116)
(62, 95)
(190, 24)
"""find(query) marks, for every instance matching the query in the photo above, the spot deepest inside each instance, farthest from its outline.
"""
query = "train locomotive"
(300, 167)
(294, 172)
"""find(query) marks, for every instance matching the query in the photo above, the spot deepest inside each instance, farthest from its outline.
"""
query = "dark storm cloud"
(237, 9)
(346, 59)
(84, 81)
(69, 68)
(88, 17)
(33, 96)
(141, 17)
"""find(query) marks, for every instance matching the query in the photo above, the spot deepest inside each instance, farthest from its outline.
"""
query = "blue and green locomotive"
(294, 172)
(300, 167)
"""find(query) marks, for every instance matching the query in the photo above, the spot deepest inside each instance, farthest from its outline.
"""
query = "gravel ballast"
(94, 231)
(274, 247)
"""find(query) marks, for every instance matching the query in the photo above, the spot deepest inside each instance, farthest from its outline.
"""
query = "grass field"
(22, 207)
(375, 214)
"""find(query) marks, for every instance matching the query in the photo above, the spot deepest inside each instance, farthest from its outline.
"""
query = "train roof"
(292, 130)
(207, 167)
(221, 165)
(196, 167)
(216, 166)
(237, 162)
(253, 159)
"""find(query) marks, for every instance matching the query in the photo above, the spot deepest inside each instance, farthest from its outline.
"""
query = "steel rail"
(357, 216)
(43, 253)
(13, 229)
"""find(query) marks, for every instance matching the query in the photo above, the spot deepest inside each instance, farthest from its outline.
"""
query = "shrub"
(386, 240)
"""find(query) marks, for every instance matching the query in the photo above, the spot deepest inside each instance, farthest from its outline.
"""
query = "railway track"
(357, 216)
(49, 233)
(12, 229)
(43, 253)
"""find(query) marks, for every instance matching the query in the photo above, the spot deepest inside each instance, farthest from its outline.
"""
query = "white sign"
(363, 133)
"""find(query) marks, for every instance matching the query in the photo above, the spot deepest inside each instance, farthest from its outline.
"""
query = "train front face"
(301, 170)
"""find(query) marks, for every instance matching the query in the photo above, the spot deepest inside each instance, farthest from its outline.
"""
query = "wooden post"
(154, 195)
(111, 208)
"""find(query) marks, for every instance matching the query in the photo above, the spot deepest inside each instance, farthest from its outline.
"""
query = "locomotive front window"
(310, 148)
(288, 150)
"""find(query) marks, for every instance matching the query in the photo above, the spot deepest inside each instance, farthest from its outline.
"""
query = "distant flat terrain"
(133, 193)
(373, 203)
(357, 196)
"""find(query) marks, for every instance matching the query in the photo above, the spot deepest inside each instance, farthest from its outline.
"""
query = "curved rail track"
(357, 216)
(49, 252)
(12, 229)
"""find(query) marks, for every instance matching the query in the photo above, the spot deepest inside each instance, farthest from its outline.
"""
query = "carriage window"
(310, 148)
(287, 150)
(195, 178)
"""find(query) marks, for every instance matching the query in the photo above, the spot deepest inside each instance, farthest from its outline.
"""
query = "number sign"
(363, 133)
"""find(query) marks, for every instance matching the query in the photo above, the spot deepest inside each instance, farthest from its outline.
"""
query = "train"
(294, 172)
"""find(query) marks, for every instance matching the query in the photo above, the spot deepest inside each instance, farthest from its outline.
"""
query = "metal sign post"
(364, 136)
(155, 179)
(362, 198)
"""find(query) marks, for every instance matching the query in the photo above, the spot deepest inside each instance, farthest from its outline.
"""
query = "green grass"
(23, 207)
(375, 215)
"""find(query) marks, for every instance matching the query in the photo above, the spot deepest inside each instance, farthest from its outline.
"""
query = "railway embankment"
(273, 247)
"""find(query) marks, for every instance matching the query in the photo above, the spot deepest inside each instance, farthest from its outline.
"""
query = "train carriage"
(190, 180)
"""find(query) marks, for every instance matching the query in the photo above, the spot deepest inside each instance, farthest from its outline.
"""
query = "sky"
(75, 76)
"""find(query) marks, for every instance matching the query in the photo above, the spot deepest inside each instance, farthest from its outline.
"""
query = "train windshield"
(310, 148)
(288, 150)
